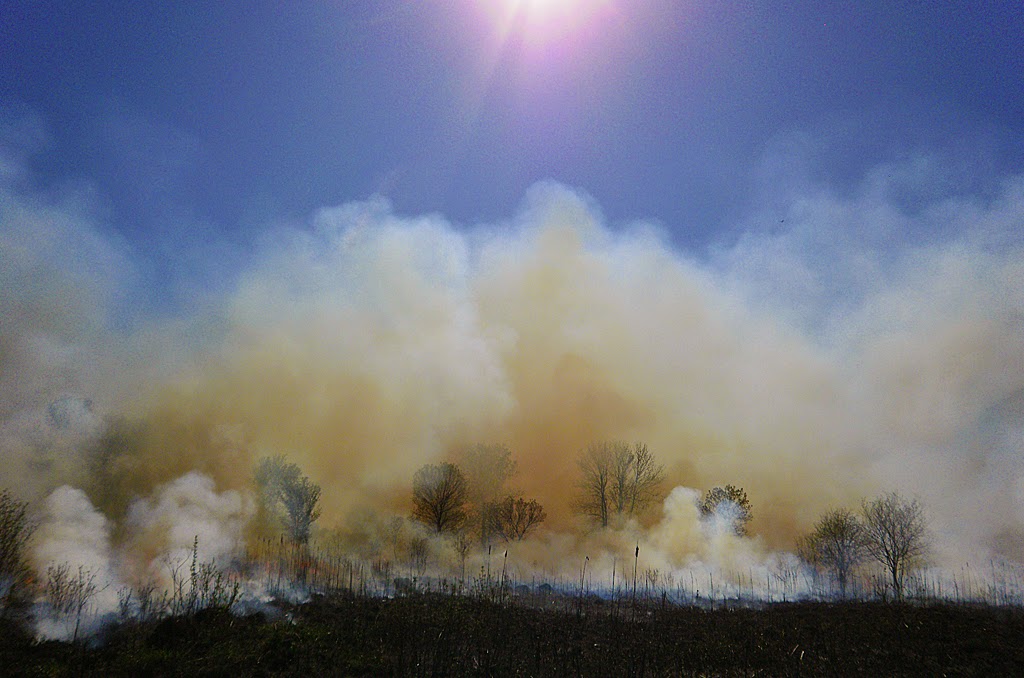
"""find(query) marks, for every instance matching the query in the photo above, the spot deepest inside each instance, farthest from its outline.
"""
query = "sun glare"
(547, 20)
(539, 8)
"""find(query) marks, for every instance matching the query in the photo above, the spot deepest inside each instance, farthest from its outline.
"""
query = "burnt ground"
(438, 635)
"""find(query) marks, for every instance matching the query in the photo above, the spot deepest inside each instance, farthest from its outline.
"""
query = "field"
(431, 634)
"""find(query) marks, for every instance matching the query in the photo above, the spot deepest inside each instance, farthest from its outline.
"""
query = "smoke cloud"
(75, 536)
(855, 344)
(187, 513)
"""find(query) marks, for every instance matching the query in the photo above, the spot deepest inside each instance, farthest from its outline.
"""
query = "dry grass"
(544, 635)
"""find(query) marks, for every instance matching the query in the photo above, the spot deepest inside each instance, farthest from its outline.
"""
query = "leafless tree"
(646, 475)
(300, 503)
(617, 480)
(895, 532)
(419, 554)
(730, 502)
(289, 495)
(516, 517)
(620, 458)
(439, 496)
(15, 531)
(837, 543)
(393, 534)
(487, 468)
(595, 482)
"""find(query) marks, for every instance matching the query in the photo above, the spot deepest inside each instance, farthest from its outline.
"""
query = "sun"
(539, 40)
(540, 8)
(543, 21)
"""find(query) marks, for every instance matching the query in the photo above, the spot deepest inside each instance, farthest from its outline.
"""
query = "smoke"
(839, 346)
(187, 513)
(75, 536)
(186, 523)
(73, 532)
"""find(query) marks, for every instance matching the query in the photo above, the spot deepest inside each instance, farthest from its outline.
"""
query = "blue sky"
(225, 116)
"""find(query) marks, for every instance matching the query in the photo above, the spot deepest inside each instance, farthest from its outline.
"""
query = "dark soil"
(434, 635)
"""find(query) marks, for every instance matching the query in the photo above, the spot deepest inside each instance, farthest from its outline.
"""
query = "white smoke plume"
(185, 520)
(74, 535)
(185, 514)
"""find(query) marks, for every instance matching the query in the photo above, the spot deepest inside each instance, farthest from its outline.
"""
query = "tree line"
(472, 495)
(471, 499)
(891, 530)
(617, 480)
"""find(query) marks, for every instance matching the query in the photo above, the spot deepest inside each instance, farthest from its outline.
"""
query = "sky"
(206, 121)
(781, 243)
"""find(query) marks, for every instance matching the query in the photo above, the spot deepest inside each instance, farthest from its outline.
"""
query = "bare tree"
(487, 468)
(895, 532)
(516, 517)
(289, 495)
(729, 502)
(646, 477)
(439, 496)
(836, 543)
(15, 531)
(595, 466)
(419, 554)
(300, 503)
(393, 534)
(617, 480)
(620, 458)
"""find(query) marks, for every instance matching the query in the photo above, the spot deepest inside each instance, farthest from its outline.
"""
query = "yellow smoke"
(371, 344)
